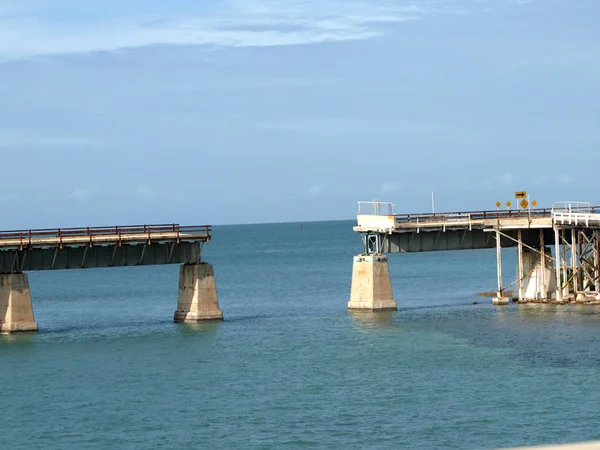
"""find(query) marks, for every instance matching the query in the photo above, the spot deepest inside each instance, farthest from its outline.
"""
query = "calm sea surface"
(290, 367)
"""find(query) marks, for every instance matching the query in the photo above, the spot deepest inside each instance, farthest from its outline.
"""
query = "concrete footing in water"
(197, 300)
(16, 310)
(539, 282)
(371, 285)
(501, 300)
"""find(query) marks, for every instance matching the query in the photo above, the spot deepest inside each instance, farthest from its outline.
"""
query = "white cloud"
(564, 179)
(507, 178)
(241, 23)
(28, 138)
(390, 186)
(316, 190)
(145, 193)
(80, 194)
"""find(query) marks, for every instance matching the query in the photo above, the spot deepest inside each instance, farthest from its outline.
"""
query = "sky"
(253, 111)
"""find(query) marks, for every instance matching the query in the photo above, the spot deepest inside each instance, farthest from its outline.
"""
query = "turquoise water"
(291, 367)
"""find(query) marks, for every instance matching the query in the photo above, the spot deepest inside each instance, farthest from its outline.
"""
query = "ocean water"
(290, 367)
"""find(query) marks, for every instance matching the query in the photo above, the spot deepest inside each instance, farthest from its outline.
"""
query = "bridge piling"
(540, 279)
(197, 300)
(543, 265)
(521, 272)
(500, 299)
(16, 309)
(557, 266)
(371, 285)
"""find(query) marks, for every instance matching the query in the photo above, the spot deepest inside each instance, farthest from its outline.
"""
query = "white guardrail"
(574, 213)
(375, 208)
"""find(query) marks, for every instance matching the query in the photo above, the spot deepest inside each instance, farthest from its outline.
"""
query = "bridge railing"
(58, 234)
(375, 208)
(573, 207)
(471, 215)
(567, 209)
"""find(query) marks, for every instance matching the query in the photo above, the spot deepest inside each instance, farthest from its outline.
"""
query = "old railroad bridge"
(570, 273)
(80, 248)
(558, 253)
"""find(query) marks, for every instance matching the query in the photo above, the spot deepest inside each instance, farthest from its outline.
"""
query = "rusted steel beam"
(64, 236)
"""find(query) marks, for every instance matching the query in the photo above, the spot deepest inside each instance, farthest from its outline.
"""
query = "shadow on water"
(546, 312)
(103, 326)
(370, 320)
(16, 339)
(201, 327)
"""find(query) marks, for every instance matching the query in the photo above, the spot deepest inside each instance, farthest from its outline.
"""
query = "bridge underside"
(428, 241)
(86, 257)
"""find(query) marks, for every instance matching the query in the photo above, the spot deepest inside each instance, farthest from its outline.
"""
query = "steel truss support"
(580, 277)
(557, 252)
(374, 243)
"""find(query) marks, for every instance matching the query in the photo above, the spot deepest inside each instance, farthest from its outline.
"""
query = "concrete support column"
(371, 285)
(500, 299)
(540, 278)
(575, 254)
(543, 265)
(197, 301)
(521, 272)
(559, 290)
(565, 274)
(16, 310)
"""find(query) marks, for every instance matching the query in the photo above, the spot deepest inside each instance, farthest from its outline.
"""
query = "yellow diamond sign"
(508, 204)
(498, 204)
(534, 203)
(524, 204)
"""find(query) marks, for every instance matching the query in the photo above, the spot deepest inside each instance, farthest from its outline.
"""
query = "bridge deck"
(91, 247)
(470, 230)
(74, 237)
(477, 220)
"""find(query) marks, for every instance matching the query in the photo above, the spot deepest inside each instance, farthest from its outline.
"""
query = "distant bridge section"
(404, 233)
(570, 273)
(94, 247)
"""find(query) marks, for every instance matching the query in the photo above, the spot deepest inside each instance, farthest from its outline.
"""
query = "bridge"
(95, 247)
(570, 273)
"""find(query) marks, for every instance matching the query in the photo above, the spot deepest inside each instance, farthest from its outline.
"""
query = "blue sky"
(131, 111)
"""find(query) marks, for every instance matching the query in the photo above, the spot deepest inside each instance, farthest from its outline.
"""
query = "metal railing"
(375, 208)
(26, 237)
(473, 215)
(572, 207)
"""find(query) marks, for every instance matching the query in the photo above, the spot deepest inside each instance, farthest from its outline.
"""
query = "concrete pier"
(16, 310)
(198, 300)
(540, 278)
(500, 300)
(371, 285)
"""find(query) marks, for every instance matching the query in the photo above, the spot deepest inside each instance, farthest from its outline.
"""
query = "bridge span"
(558, 249)
(95, 247)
